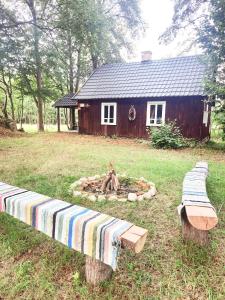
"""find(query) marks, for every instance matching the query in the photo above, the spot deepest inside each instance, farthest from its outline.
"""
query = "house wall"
(188, 111)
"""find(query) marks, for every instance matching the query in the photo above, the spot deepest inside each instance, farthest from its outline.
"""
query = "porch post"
(73, 118)
(58, 118)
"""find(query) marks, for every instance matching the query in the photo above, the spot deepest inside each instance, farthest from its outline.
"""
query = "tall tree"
(55, 45)
(38, 77)
(96, 30)
(212, 39)
(8, 56)
(207, 18)
(187, 14)
(26, 33)
(6, 86)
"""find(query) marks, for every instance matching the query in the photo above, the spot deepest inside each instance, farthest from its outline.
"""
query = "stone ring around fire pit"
(130, 189)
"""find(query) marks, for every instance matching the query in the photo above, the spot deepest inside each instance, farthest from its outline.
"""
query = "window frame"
(156, 103)
(103, 105)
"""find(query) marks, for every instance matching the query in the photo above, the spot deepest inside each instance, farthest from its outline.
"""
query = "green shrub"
(167, 136)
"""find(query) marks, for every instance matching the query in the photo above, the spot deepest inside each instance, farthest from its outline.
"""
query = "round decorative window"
(132, 113)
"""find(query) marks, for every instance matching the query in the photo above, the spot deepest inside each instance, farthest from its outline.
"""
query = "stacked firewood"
(111, 181)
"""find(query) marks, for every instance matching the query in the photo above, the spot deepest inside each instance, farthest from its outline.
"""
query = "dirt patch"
(72, 137)
(8, 133)
(126, 186)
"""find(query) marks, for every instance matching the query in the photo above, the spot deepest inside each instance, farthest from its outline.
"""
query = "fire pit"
(113, 187)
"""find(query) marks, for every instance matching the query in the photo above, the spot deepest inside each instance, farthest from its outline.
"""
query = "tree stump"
(200, 237)
(96, 271)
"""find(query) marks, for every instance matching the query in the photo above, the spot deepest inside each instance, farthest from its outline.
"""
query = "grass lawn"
(33, 266)
(32, 128)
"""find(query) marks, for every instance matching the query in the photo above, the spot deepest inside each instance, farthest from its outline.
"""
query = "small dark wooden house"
(123, 99)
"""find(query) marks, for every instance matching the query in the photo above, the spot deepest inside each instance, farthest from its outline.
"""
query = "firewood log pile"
(110, 182)
(112, 186)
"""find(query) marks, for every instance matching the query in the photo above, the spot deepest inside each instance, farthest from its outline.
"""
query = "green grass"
(32, 266)
(32, 128)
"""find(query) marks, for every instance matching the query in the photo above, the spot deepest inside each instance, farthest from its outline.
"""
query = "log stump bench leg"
(197, 214)
(122, 232)
(96, 271)
(190, 233)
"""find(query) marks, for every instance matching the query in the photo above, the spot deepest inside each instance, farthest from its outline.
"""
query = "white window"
(108, 113)
(155, 113)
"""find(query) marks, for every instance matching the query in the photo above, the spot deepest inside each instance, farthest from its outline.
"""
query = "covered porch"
(70, 108)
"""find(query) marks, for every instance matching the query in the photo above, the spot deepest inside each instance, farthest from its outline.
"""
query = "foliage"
(220, 116)
(206, 19)
(167, 136)
(212, 39)
(187, 14)
(48, 48)
(126, 180)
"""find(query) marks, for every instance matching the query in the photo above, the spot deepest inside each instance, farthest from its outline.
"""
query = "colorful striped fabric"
(87, 231)
(194, 187)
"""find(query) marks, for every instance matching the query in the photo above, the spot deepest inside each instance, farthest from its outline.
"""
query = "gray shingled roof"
(180, 76)
(66, 101)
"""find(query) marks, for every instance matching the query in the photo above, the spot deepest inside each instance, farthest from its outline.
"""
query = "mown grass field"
(32, 128)
(33, 266)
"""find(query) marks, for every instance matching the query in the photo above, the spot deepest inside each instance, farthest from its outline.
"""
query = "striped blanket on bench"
(194, 187)
(87, 231)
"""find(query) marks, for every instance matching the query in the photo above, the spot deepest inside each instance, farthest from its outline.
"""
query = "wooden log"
(190, 233)
(134, 238)
(111, 181)
(115, 182)
(96, 271)
(202, 218)
(105, 182)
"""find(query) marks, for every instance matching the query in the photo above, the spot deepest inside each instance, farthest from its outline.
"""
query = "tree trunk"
(38, 66)
(65, 112)
(40, 116)
(96, 271)
(94, 60)
(10, 93)
(78, 70)
(21, 116)
(4, 108)
(69, 40)
(72, 120)
(190, 233)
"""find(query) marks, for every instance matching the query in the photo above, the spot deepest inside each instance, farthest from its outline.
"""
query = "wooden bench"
(197, 214)
(94, 234)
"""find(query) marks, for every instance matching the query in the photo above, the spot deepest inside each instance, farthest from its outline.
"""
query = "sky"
(158, 16)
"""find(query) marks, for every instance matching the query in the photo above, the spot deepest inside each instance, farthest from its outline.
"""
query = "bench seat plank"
(202, 218)
(134, 238)
(90, 232)
(196, 212)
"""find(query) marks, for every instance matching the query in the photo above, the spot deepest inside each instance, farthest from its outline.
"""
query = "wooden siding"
(187, 111)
